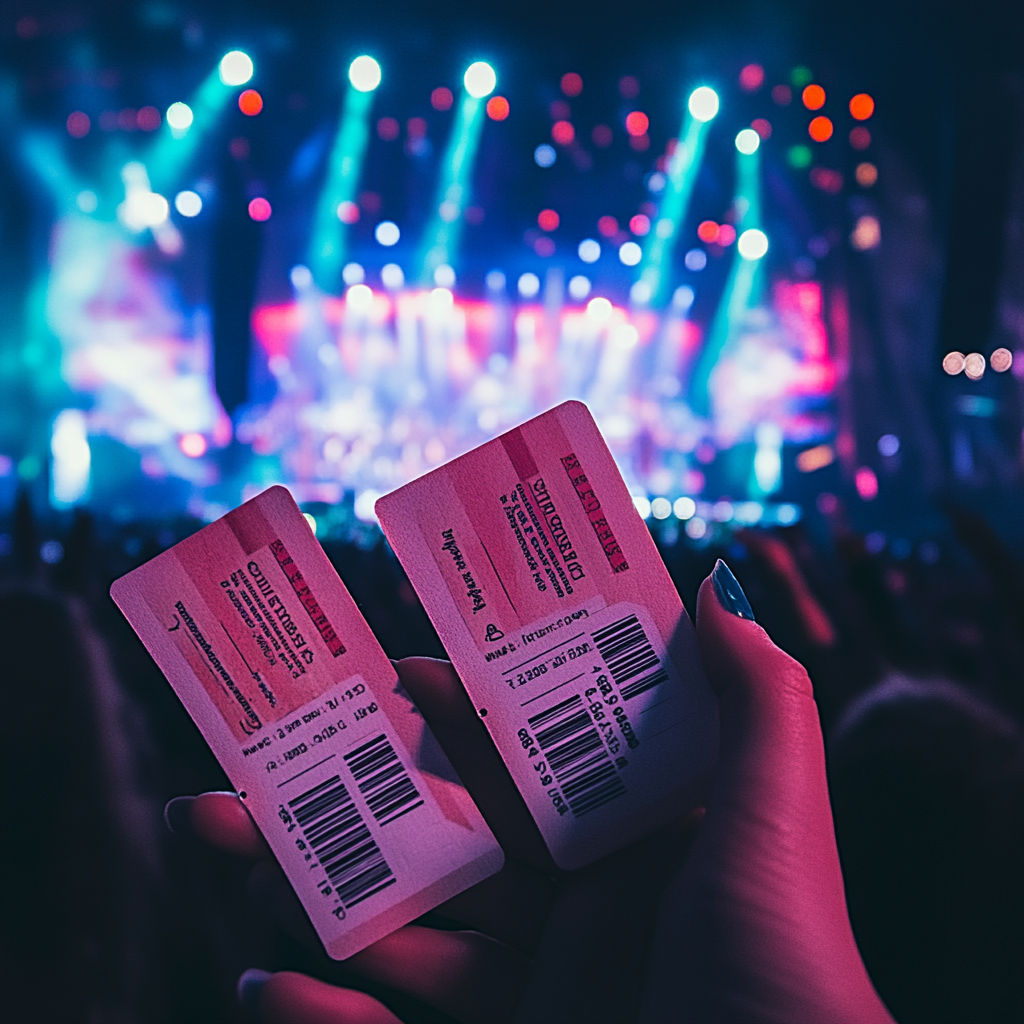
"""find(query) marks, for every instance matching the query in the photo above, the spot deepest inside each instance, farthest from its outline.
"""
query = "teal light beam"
(683, 168)
(441, 239)
(172, 151)
(742, 287)
(327, 242)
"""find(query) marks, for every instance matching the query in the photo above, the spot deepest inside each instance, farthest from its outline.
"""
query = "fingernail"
(250, 985)
(178, 816)
(729, 592)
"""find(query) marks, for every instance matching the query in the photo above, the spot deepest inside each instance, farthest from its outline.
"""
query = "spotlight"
(747, 141)
(753, 244)
(364, 74)
(480, 79)
(703, 103)
(188, 203)
(179, 116)
(236, 68)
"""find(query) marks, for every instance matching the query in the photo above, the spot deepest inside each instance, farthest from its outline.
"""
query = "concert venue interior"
(777, 250)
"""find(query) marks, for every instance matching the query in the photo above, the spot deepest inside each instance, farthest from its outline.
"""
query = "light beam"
(327, 243)
(683, 168)
(442, 236)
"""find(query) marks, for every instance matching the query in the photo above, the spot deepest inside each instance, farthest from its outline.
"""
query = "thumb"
(769, 803)
(760, 913)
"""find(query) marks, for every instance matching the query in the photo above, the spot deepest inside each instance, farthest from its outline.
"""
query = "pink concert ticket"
(550, 596)
(271, 657)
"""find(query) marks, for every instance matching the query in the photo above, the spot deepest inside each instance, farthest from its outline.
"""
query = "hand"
(751, 925)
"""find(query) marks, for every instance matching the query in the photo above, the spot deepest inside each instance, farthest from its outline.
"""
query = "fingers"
(438, 693)
(510, 906)
(762, 897)
(222, 820)
(771, 773)
(290, 998)
(467, 975)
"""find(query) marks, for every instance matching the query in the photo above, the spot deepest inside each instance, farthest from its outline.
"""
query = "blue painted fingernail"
(729, 592)
(250, 985)
(178, 816)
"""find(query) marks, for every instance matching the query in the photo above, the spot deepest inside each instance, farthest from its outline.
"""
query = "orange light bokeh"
(814, 97)
(862, 106)
(497, 108)
(866, 174)
(250, 102)
(820, 129)
(707, 231)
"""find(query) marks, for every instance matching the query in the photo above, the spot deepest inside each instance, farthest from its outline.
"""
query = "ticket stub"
(274, 662)
(561, 619)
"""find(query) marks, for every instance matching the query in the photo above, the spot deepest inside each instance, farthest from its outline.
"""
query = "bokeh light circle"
(441, 98)
(179, 116)
(78, 124)
(544, 155)
(703, 103)
(259, 209)
(528, 285)
(392, 276)
(563, 132)
(974, 365)
(188, 203)
(637, 123)
(480, 79)
(387, 233)
(953, 363)
(250, 102)
(707, 231)
(572, 84)
(753, 244)
(364, 74)
(751, 77)
(236, 68)
(813, 97)
(747, 141)
(547, 220)
(359, 296)
(497, 108)
(579, 287)
(589, 250)
(1001, 360)
(629, 254)
(820, 129)
(866, 174)
(862, 106)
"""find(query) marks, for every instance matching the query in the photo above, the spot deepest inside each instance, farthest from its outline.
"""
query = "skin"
(733, 914)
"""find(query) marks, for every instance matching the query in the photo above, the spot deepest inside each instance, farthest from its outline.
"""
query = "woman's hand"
(751, 924)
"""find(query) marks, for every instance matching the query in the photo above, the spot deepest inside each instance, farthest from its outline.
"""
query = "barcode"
(338, 836)
(383, 781)
(577, 756)
(628, 653)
